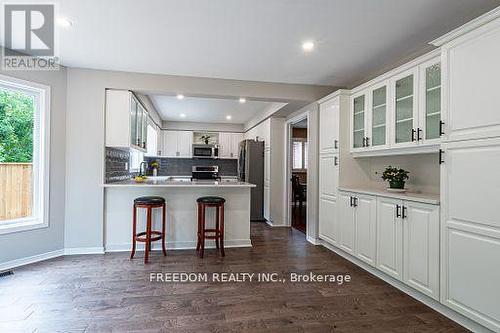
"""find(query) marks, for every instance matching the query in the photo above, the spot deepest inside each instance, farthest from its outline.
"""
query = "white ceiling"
(207, 110)
(256, 40)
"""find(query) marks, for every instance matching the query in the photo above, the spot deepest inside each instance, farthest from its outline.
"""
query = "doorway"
(298, 174)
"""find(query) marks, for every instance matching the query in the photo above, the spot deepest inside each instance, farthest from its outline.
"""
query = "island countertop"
(179, 182)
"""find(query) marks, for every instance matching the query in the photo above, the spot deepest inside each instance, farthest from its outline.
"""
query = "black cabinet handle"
(335, 161)
(335, 144)
(398, 213)
(350, 201)
(355, 204)
(404, 212)
(418, 134)
(413, 132)
(441, 125)
(367, 141)
(364, 142)
(441, 152)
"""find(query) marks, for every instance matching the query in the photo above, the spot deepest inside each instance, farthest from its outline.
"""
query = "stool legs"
(134, 229)
(198, 232)
(221, 231)
(164, 229)
(202, 231)
(217, 230)
(147, 246)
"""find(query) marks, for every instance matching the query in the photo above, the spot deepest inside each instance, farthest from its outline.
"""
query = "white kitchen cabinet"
(126, 121)
(328, 221)
(359, 121)
(177, 143)
(329, 126)
(347, 227)
(408, 243)
(329, 175)
(229, 145)
(389, 237)
(471, 229)
(378, 134)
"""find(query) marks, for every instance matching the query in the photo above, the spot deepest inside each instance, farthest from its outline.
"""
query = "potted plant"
(205, 138)
(155, 165)
(396, 177)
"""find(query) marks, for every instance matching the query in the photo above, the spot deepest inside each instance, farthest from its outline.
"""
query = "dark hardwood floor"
(299, 217)
(110, 293)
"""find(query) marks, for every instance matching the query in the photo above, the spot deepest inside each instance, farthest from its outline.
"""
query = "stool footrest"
(144, 239)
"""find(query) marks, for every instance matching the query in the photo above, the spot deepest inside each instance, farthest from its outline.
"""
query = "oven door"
(202, 152)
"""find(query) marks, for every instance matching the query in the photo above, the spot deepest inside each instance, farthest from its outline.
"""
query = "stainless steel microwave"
(205, 151)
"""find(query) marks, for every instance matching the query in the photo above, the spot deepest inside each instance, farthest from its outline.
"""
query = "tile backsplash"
(171, 166)
(117, 161)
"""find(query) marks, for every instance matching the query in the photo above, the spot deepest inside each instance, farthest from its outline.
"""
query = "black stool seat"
(149, 200)
(211, 200)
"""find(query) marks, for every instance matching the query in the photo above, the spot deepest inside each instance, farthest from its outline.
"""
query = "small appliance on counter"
(210, 172)
(251, 170)
(205, 151)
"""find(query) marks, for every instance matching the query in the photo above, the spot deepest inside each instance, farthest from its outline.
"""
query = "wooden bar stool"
(218, 232)
(149, 203)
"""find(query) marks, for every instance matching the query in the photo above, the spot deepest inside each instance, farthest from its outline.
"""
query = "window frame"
(41, 156)
(303, 141)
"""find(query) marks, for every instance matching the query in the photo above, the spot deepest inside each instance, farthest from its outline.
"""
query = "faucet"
(140, 168)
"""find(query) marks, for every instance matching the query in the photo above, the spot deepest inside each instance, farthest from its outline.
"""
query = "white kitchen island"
(181, 195)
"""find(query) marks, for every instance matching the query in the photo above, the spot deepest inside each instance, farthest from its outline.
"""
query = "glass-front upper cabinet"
(144, 131)
(404, 109)
(358, 121)
(431, 113)
(133, 121)
(379, 117)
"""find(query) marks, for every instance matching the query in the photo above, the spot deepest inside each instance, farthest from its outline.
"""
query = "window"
(299, 154)
(152, 141)
(24, 155)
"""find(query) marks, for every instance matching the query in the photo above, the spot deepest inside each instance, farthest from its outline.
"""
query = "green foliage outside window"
(16, 127)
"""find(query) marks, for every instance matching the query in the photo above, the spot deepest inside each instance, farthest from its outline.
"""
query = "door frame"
(288, 174)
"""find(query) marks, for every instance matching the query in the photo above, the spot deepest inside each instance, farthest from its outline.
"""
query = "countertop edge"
(428, 198)
(181, 185)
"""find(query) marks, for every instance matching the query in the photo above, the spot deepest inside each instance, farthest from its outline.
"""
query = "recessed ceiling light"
(228, 117)
(308, 46)
(242, 100)
(182, 115)
(64, 22)
(180, 96)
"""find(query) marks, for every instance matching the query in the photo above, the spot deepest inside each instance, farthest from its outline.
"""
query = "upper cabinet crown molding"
(468, 27)
(336, 93)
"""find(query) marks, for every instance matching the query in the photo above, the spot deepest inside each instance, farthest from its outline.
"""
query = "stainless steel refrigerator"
(251, 170)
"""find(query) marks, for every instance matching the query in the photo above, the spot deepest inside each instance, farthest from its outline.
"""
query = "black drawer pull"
(398, 213)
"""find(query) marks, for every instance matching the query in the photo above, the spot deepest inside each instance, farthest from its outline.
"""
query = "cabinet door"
(405, 109)
(118, 118)
(236, 138)
(421, 247)
(185, 143)
(366, 219)
(389, 237)
(328, 222)
(170, 144)
(144, 129)
(346, 222)
(358, 122)
(328, 175)
(224, 145)
(471, 70)
(430, 102)
(329, 126)
(134, 135)
(378, 137)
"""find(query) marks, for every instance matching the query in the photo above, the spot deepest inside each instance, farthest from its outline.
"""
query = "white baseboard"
(313, 241)
(83, 250)
(274, 225)
(444, 310)
(186, 245)
(30, 260)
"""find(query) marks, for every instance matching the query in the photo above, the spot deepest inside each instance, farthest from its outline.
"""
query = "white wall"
(85, 134)
(31, 243)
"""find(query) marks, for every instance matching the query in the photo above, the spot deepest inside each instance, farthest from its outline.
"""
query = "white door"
(471, 79)
(390, 237)
(347, 223)
(421, 247)
(366, 223)
(430, 104)
(236, 138)
(378, 117)
(359, 107)
(328, 225)
(224, 145)
(329, 126)
(185, 143)
(170, 144)
(328, 175)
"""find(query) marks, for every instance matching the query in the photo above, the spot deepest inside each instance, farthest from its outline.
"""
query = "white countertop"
(428, 198)
(179, 182)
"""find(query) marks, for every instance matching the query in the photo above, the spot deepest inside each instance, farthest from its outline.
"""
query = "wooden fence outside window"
(16, 190)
